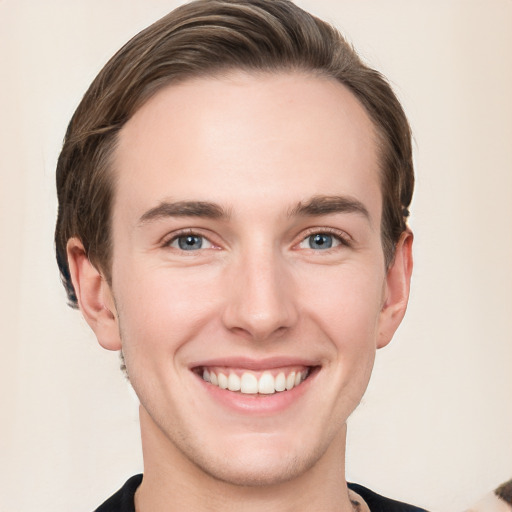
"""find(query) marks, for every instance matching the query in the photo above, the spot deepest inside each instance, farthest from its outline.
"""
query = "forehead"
(240, 137)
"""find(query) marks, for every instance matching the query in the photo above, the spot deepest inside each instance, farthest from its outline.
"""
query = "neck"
(172, 482)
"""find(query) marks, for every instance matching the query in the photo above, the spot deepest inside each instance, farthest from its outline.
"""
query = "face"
(249, 289)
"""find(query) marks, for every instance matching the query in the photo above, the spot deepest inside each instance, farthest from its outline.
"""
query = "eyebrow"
(316, 206)
(184, 209)
(325, 205)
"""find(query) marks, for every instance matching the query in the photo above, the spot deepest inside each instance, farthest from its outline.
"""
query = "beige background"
(436, 425)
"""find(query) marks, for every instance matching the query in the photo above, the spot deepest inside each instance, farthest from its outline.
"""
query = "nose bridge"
(261, 301)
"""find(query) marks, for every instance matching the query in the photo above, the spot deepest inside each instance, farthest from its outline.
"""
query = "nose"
(260, 301)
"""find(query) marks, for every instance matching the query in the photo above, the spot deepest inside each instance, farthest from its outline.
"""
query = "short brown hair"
(202, 38)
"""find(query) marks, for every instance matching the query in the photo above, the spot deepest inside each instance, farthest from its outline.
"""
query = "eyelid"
(343, 235)
(344, 238)
(169, 238)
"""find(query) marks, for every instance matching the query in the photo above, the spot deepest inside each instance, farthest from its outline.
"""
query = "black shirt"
(123, 500)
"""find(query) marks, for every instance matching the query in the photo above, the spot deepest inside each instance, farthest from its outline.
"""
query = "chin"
(257, 459)
(256, 470)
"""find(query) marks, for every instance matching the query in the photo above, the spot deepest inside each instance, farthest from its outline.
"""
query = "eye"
(321, 241)
(190, 242)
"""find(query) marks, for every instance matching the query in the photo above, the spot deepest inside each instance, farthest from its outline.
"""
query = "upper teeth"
(249, 383)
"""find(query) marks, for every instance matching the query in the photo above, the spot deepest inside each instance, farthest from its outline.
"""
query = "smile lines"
(251, 384)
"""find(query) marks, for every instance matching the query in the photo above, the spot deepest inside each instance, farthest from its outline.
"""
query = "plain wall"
(435, 427)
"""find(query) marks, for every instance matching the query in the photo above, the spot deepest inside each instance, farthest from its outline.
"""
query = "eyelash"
(343, 238)
(166, 242)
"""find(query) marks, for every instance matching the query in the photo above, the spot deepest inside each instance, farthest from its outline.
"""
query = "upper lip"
(255, 364)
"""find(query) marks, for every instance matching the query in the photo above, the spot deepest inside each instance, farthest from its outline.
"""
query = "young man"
(233, 193)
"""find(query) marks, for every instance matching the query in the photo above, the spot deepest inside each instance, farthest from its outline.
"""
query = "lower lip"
(257, 404)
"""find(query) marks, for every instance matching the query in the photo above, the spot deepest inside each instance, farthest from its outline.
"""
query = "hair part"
(206, 38)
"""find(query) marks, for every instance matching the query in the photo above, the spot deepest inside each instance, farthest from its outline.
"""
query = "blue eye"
(320, 241)
(190, 242)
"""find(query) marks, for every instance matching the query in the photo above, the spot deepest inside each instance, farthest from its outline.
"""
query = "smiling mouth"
(252, 383)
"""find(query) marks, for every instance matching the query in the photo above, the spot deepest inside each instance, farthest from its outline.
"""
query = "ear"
(396, 290)
(94, 296)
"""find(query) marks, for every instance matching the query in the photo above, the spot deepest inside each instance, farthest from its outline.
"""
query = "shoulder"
(122, 500)
(377, 503)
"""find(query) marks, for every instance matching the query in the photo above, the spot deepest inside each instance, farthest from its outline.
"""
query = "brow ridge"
(315, 206)
(184, 209)
(325, 205)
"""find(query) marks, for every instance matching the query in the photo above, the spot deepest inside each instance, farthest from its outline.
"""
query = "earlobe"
(398, 281)
(94, 296)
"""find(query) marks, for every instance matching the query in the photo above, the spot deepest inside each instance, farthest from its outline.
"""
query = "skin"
(263, 148)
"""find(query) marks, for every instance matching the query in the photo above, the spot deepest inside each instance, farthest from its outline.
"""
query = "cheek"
(346, 302)
(164, 308)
